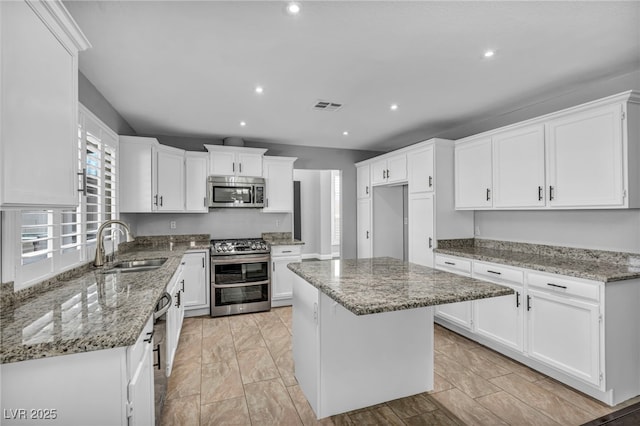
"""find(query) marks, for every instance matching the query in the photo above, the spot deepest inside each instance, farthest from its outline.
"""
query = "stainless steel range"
(240, 277)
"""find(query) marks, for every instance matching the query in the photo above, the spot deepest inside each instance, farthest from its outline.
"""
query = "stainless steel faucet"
(99, 259)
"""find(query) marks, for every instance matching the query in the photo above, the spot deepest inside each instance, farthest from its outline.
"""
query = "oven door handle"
(240, 284)
(238, 259)
(165, 308)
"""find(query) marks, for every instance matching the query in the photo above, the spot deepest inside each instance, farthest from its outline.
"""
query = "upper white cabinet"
(170, 189)
(196, 168)
(278, 175)
(39, 45)
(390, 169)
(473, 184)
(580, 158)
(421, 170)
(137, 169)
(235, 161)
(363, 179)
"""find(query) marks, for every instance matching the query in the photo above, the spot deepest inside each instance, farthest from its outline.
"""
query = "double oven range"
(240, 276)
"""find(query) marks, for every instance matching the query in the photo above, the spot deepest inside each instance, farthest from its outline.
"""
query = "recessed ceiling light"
(259, 89)
(345, 133)
(243, 123)
(394, 107)
(293, 8)
(489, 53)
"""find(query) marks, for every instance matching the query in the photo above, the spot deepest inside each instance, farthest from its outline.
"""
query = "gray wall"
(91, 98)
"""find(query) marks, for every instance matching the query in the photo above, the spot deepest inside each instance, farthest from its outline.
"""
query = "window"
(55, 240)
(336, 207)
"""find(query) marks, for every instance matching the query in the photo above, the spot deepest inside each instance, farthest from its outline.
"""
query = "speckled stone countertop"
(598, 265)
(384, 284)
(91, 310)
(280, 239)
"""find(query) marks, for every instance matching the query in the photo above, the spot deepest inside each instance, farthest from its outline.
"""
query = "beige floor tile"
(474, 362)
(184, 379)
(189, 348)
(341, 420)
(232, 411)
(218, 349)
(275, 331)
(192, 325)
(264, 318)
(440, 383)
(467, 410)
(511, 365)
(463, 378)
(237, 322)
(213, 326)
(257, 365)
(412, 405)
(248, 337)
(270, 404)
(543, 400)
(305, 411)
(181, 412)
(433, 418)
(376, 416)
(221, 381)
(596, 408)
(513, 411)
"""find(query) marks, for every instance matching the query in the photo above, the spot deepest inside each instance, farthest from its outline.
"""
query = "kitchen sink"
(136, 265)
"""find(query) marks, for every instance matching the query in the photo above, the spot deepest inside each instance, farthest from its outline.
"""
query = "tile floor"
(238, 370)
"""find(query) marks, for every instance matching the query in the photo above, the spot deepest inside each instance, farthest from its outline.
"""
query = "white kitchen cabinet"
(175, 316)
(137, 174)
(459, 313)
(365, 237)
(196, 168)
(421, 232)
(363, 181)
(282, 278)
(195, 274)
(388, 170)
(421, 170)
(170, 188)
(586, 158)
(473, 174)
(518, 168)
(104, 387)
(278, 175)
(235, 161)
(39, 49)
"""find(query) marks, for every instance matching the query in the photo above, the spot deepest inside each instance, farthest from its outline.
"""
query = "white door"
(249, 164)
(222, 163)
(379, 172)
(397, 168)
(473, 174)
(585, 159)
(363, 185)
(420, 170)
(141, 392)
(501, 318)
(170, 180)
(421, 236)
(196, 172)
(458, 313)
(365, 246)
(564, 333)
(279, 185)
(518, 168)
(196, 285)
(282, 278)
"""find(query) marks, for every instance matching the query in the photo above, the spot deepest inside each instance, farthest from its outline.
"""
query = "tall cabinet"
(363, 207)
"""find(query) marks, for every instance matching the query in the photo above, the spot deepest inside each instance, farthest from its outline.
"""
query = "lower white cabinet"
(421, 241)
(365, 237)
(459, 313)
(196, 283)
(281, 277)
(105, 387)
(175, 315)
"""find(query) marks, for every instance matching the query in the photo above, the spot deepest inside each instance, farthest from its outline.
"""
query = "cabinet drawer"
(291, 250)
(497, 273)
(453, 264)
(136, 351)
(564, 285)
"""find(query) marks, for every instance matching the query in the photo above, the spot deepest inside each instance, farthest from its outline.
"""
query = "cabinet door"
(518, 168)
(397, 168)
(175, 315)
(249, 164)
(222, 163)
(365, 247)
(420, 169)
(585, 159)
(458, 313)
(196, 172)
(196, 285)
(473, 174)
(501, 319)
(137, 174)
(379, 172)
(282, 279)
(279, 185)
(363, 181)
(170, 180)
(141, 393)
(421, 238)
(564, 333)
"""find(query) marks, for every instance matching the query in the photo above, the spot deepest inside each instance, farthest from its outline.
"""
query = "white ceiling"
(190, 68)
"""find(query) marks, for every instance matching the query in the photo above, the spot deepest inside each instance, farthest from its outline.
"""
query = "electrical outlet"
(172, 224)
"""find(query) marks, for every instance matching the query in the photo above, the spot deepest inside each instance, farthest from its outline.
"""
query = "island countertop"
(384, 284)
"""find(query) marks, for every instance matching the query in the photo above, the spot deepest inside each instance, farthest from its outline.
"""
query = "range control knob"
(253, 246)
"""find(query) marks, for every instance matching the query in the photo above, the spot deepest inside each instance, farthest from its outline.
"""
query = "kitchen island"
(363, 329)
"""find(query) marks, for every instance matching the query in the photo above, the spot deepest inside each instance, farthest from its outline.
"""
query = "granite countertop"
(91, 310)
(384, 284)
(280, 239)
(594, 265)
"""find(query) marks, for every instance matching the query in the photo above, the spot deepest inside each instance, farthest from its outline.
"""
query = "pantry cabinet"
(421, 231)
(364, 232)
(278, 175)
(235, 161)
(39, 45)
(363, 179)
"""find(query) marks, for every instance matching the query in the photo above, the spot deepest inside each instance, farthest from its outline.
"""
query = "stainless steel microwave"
(232, 191)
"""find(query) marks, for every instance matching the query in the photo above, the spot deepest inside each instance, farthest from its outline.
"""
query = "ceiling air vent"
(327, 106)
